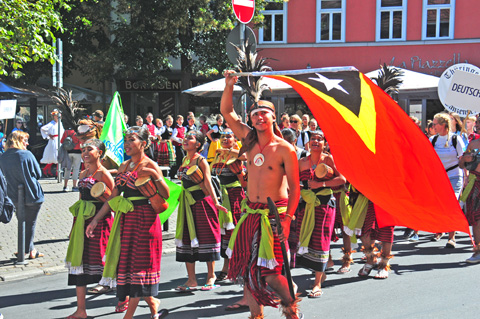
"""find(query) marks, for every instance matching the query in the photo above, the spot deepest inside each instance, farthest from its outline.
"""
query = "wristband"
(290, 216)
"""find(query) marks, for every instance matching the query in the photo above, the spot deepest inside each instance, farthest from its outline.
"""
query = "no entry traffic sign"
(244, 10)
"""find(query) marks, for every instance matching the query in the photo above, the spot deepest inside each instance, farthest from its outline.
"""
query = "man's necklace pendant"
(259, 159)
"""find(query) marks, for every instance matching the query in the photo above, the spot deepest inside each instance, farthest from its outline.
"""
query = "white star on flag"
(329, 83)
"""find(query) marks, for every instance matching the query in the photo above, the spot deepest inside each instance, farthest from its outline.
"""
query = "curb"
(48, 271)
(24, 274)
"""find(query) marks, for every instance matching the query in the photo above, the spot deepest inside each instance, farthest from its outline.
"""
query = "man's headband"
(262, 105)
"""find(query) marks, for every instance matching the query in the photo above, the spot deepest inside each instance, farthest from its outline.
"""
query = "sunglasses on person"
(131, 131)
(293, 121)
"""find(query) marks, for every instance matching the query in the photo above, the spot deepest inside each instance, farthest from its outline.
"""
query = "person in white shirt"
(449, 148)
(51, 132)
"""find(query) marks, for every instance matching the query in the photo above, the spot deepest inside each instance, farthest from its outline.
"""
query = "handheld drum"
(236, 167)
(100, 191)
(324, 172)
(195, 174)
(148, 189)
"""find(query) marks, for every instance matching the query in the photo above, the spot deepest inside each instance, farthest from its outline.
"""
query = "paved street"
(427, 280)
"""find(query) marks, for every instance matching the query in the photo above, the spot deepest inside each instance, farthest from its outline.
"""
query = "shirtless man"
(471, 197)
(273, 172)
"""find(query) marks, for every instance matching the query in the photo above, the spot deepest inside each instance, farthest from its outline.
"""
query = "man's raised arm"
(226, 107)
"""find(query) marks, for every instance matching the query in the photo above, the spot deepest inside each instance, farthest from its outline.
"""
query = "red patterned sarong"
(236, 195)
(472, 205)
(370, 227)
(243, 263)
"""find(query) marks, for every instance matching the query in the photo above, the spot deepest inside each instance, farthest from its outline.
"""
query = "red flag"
(379, 149)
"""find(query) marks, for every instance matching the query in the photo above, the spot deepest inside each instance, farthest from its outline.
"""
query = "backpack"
(454, 144)
(454, 141)
(68, 144)
(6, 204)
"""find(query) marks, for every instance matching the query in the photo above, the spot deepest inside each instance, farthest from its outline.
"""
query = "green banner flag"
(172, 200)
(112, 133)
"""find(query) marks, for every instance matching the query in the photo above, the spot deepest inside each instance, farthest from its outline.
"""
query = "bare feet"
(242, 304)
(330, 263)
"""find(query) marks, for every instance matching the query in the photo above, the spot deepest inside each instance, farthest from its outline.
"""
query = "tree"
(137, 39)
(26, 33)
(151, 32)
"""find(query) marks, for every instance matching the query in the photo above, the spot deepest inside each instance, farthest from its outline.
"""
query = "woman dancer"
(84, 256)
(198, 229)
(136, 245)
(317, 219)
(232, 191)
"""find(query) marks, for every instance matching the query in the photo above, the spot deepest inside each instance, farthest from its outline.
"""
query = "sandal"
(381, 274)
(315, 294)
(451, 243)
(209, 287)
(185, 288)
(162, 313)
(122, 306)
(35, 255)
(222, 276)
(365, 270)
(99, 290)
(344, 270)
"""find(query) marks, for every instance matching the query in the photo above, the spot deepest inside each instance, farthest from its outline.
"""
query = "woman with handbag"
(20, 167)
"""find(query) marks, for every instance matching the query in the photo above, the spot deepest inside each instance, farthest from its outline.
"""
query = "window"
(330, 20)
(438, 19)
(391, 20)
(275, 23)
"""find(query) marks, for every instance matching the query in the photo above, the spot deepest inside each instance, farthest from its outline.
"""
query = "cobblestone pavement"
(51, 236)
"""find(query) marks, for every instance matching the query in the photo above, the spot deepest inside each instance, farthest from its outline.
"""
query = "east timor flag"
(379, 149)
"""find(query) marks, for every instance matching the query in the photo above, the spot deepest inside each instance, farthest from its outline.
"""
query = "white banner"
(464, 91)
(7, 109)
(454, 104)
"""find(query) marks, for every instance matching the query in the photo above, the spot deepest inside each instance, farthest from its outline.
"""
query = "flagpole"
(296, 72)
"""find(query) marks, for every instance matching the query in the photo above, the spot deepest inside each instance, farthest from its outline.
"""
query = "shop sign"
(166, 86)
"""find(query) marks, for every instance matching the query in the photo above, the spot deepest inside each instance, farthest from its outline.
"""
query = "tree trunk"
(186, 78)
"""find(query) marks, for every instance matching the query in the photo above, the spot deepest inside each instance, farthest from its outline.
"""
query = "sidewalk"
(51, 236)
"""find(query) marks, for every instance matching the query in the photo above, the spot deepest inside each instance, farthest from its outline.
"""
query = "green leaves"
(26, 31)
